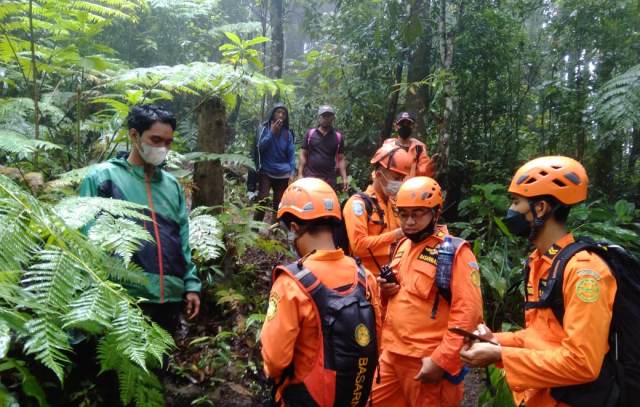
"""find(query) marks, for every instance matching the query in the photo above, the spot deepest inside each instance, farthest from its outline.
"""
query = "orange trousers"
(397, 388)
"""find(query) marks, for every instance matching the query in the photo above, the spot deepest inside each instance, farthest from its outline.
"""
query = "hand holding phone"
(470, 335)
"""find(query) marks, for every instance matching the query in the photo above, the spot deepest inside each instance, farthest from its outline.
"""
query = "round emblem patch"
(362, 335)
(358, 208)
(475, 277)
(273, 307)
(587, 289)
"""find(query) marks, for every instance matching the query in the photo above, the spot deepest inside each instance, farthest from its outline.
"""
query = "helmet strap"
(538, 222)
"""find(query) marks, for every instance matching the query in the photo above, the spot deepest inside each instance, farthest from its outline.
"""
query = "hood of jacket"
(277, 106)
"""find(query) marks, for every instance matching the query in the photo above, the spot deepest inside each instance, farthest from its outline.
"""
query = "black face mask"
(404, 131)
(423, 234)
(517, 223)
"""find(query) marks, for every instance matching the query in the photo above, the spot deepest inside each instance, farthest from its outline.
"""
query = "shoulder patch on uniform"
(430, 255)
(362, 335)
(274, 299)
(588, 273)
(475, 277)
(587, 289)
(358, 207)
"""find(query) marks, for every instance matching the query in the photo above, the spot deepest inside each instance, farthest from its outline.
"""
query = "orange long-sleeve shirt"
(291, 329)
(366, 235)
(408, 328)
(547, 354)
(424, 165)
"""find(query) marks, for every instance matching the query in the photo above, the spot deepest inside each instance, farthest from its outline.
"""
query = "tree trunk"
(634, 155)
(446, 60)
(419, 67)
(34, 83)
(208, 175)
(393, 105)
(276, 13)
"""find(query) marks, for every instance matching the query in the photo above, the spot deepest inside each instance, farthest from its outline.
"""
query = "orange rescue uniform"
(368, 233)
(290, 330)
(545, 354)
(410, 333)
(423, 165)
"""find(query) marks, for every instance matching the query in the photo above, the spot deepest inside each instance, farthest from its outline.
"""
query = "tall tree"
(276, 17)
(209, 175)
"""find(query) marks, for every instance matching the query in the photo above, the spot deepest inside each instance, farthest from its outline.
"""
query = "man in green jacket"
(171, 275)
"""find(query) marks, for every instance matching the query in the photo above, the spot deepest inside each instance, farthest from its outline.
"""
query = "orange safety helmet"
(419, 191)
(393, 158)
(561, 177)
(308, 199)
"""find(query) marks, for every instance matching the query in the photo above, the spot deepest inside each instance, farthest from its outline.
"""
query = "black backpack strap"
(370, 205)
(305, 277)
(552, 296)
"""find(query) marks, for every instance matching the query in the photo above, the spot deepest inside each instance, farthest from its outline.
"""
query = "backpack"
(618, 383)
(340, 236)
(443, 276)
(312, 131)
(343, 374)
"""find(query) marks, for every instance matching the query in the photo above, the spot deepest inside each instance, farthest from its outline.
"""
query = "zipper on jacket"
(147, 182)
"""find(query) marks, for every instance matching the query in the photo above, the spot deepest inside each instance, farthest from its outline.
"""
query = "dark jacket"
(275, 153)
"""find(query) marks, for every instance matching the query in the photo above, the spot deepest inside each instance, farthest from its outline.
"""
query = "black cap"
(405, 116)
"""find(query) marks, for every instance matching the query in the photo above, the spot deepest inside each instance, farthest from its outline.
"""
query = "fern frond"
(122, 237)
(129, 330)
(16, 238)
(237, 159)
(93, 310)
(618, 100)
(205, 237)
(14, 143)
(54, 279)
(48, 343)
(79, 211)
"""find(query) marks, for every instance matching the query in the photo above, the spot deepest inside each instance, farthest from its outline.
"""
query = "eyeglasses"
(419, 213)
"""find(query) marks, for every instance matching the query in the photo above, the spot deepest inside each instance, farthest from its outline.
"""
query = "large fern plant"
(53, 280)
(618, 101)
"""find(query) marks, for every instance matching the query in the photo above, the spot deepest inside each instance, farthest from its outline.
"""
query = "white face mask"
(393, 187)
(152, 155)
(291, 239)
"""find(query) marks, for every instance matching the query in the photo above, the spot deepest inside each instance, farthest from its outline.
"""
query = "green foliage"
(619, 98)
(64, 281)
(205, 236)
(240, 53)
(498, 393)
(14, 143)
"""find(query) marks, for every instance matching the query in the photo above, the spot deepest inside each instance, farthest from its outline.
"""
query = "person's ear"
(542, 208)
(133, 135)
(294, 227)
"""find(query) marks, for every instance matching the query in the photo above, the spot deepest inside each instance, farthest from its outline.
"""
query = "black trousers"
(166, 315)
(265, 184)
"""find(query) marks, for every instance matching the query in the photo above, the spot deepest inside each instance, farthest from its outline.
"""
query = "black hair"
(313, 227)
(143, 117)
(560, 211)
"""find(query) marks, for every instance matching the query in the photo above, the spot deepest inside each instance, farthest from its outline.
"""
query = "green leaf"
(5, 339)
(233, 37)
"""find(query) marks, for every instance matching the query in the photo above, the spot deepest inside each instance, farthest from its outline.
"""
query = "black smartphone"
(470, 335)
